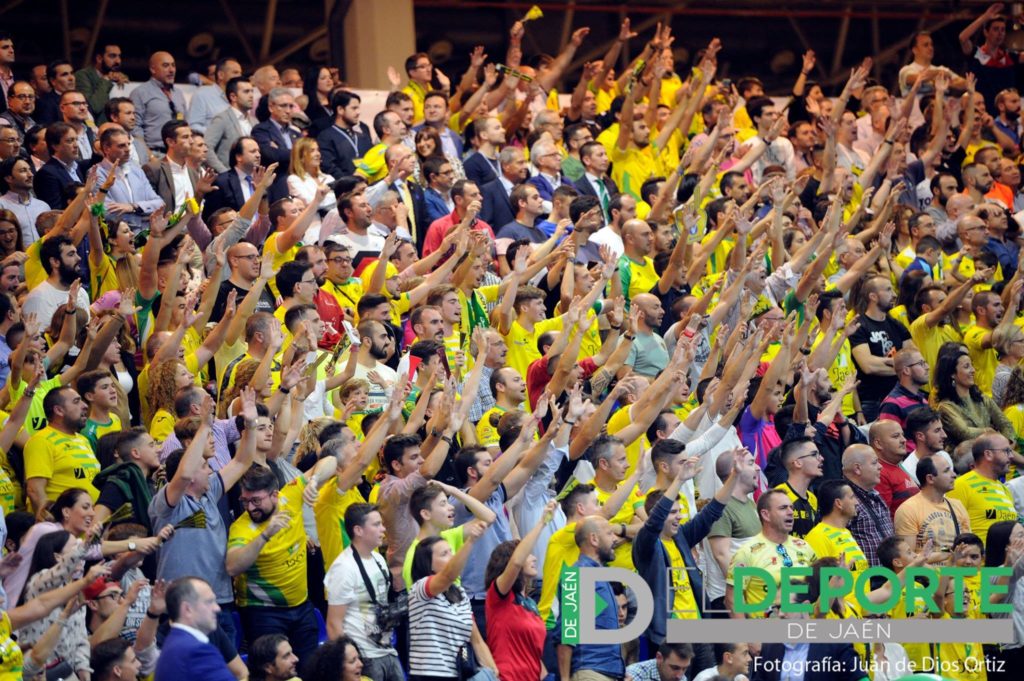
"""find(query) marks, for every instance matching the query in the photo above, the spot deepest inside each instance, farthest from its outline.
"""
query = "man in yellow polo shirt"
(59, 457)
(989, 314)
(830, 538)
(635, 266)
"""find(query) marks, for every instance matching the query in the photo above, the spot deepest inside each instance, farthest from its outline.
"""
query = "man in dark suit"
(595, 177)
(497, 208)
(276, 137)
(488, 135)
(236, 185)
(62, 168)
(187, 652)
(400, 161)
(61, 76)
(172, 178)
(345, 141)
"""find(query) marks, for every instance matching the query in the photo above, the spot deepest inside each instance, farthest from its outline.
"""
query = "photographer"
(351, 607)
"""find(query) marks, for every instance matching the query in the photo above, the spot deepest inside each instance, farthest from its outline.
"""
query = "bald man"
(873, 523)
(264, 79)
(157, 101)
(649, 355)
(595, 539)
(890, 444)
(635, 266)
(244, 261)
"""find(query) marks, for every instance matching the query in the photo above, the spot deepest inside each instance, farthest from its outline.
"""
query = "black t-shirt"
(265, 303)
(883, 338)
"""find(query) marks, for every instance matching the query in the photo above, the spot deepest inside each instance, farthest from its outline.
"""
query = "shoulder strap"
(366, 577)
(956, 523)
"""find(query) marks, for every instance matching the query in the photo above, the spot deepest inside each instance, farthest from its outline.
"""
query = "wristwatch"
(132, 545)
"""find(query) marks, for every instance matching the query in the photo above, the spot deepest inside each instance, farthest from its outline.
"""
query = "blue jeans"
(297, 623)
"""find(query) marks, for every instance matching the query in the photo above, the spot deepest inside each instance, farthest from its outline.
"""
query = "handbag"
(396, 610)
(466, 663)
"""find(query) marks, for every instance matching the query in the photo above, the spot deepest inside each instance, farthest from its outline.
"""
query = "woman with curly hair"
(244, 375)
(965, 412)
(165, 380)
(337, 660)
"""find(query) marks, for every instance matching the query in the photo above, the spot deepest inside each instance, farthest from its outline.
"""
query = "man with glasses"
(911, 375)
(244, 261)
(439, 176)
(771, 550)
(986, 498)
(421, 72)
(803, 464)
(297, 285)
(157, 102)
(21, 103)
(276, 136)
(10, 144)
(267, 557)
(96, 81)
(74, 110)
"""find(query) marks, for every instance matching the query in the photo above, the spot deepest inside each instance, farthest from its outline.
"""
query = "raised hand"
(278, 522)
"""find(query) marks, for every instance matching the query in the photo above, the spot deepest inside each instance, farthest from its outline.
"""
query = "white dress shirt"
(182, 183)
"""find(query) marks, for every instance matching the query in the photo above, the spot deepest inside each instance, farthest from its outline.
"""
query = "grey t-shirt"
(194, 551)
(739, 522)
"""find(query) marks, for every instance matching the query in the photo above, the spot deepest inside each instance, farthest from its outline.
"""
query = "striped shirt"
(437, 630)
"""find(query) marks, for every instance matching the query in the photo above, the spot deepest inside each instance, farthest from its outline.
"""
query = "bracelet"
(629, 337)
(449, 440)
(71, 311)
(616, 328)
(152, 616)
(264, 537)
(284, 389)
(889, 142)
(569, 423)
(29, 393)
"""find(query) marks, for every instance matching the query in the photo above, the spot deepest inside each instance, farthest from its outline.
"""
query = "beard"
(67, 274)
(605, 555)
(258, 515)
(379, 352)
(1012, 115)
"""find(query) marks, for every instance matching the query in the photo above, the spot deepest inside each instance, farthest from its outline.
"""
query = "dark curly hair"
(328, 662)
(500, 557)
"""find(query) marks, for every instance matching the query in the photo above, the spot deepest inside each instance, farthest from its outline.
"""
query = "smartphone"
(726, 83)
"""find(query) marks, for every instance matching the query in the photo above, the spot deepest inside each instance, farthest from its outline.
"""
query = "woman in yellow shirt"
(165, 380)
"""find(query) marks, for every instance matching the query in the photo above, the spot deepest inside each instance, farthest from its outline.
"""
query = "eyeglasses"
(918, 363)
(1006, 450)
(113, 595)
(341, 261)
(786, 560)
(251, 256)
(815, 455)
(81, 103)
(26, 97)
(253, 501)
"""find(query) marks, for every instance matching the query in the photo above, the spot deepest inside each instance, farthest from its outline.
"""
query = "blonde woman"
(304, 180)
(1009, 346)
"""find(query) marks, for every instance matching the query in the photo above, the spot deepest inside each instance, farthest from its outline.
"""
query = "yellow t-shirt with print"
(840, 369)
(11, 658)
(637, 277)
(329, 511)
(831, 542)
(103, 278)
(634, 166)
(162, 425)
(487, 434)
(624, 551)
(760, 552)
(65, 461)
(347, 294)
(928, 339)
(684, 604)
(987, 501)
(278, 577)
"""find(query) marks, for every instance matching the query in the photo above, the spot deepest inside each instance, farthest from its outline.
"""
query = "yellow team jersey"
(278, 577)
(65, 461)
(162, 425)
(624, 551)
(330, 510)
(965, 661)
(763, 553)
(637, 277)
(103, 278)
(34, 272)
(684, 604)
(633, 166)
(983, 359)
(828, 541)
(1015, 413)
(719, 259)
(417, 94)
(279, 258)
(11, 659)
(616, 423)
(455, 536)
(347, 295)
(929, 339)
(94, 430)
(987, 501)
(840, 369)
(486, 433)
(372, 166)
(522, 344)
(561, 553)
(967, 268)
